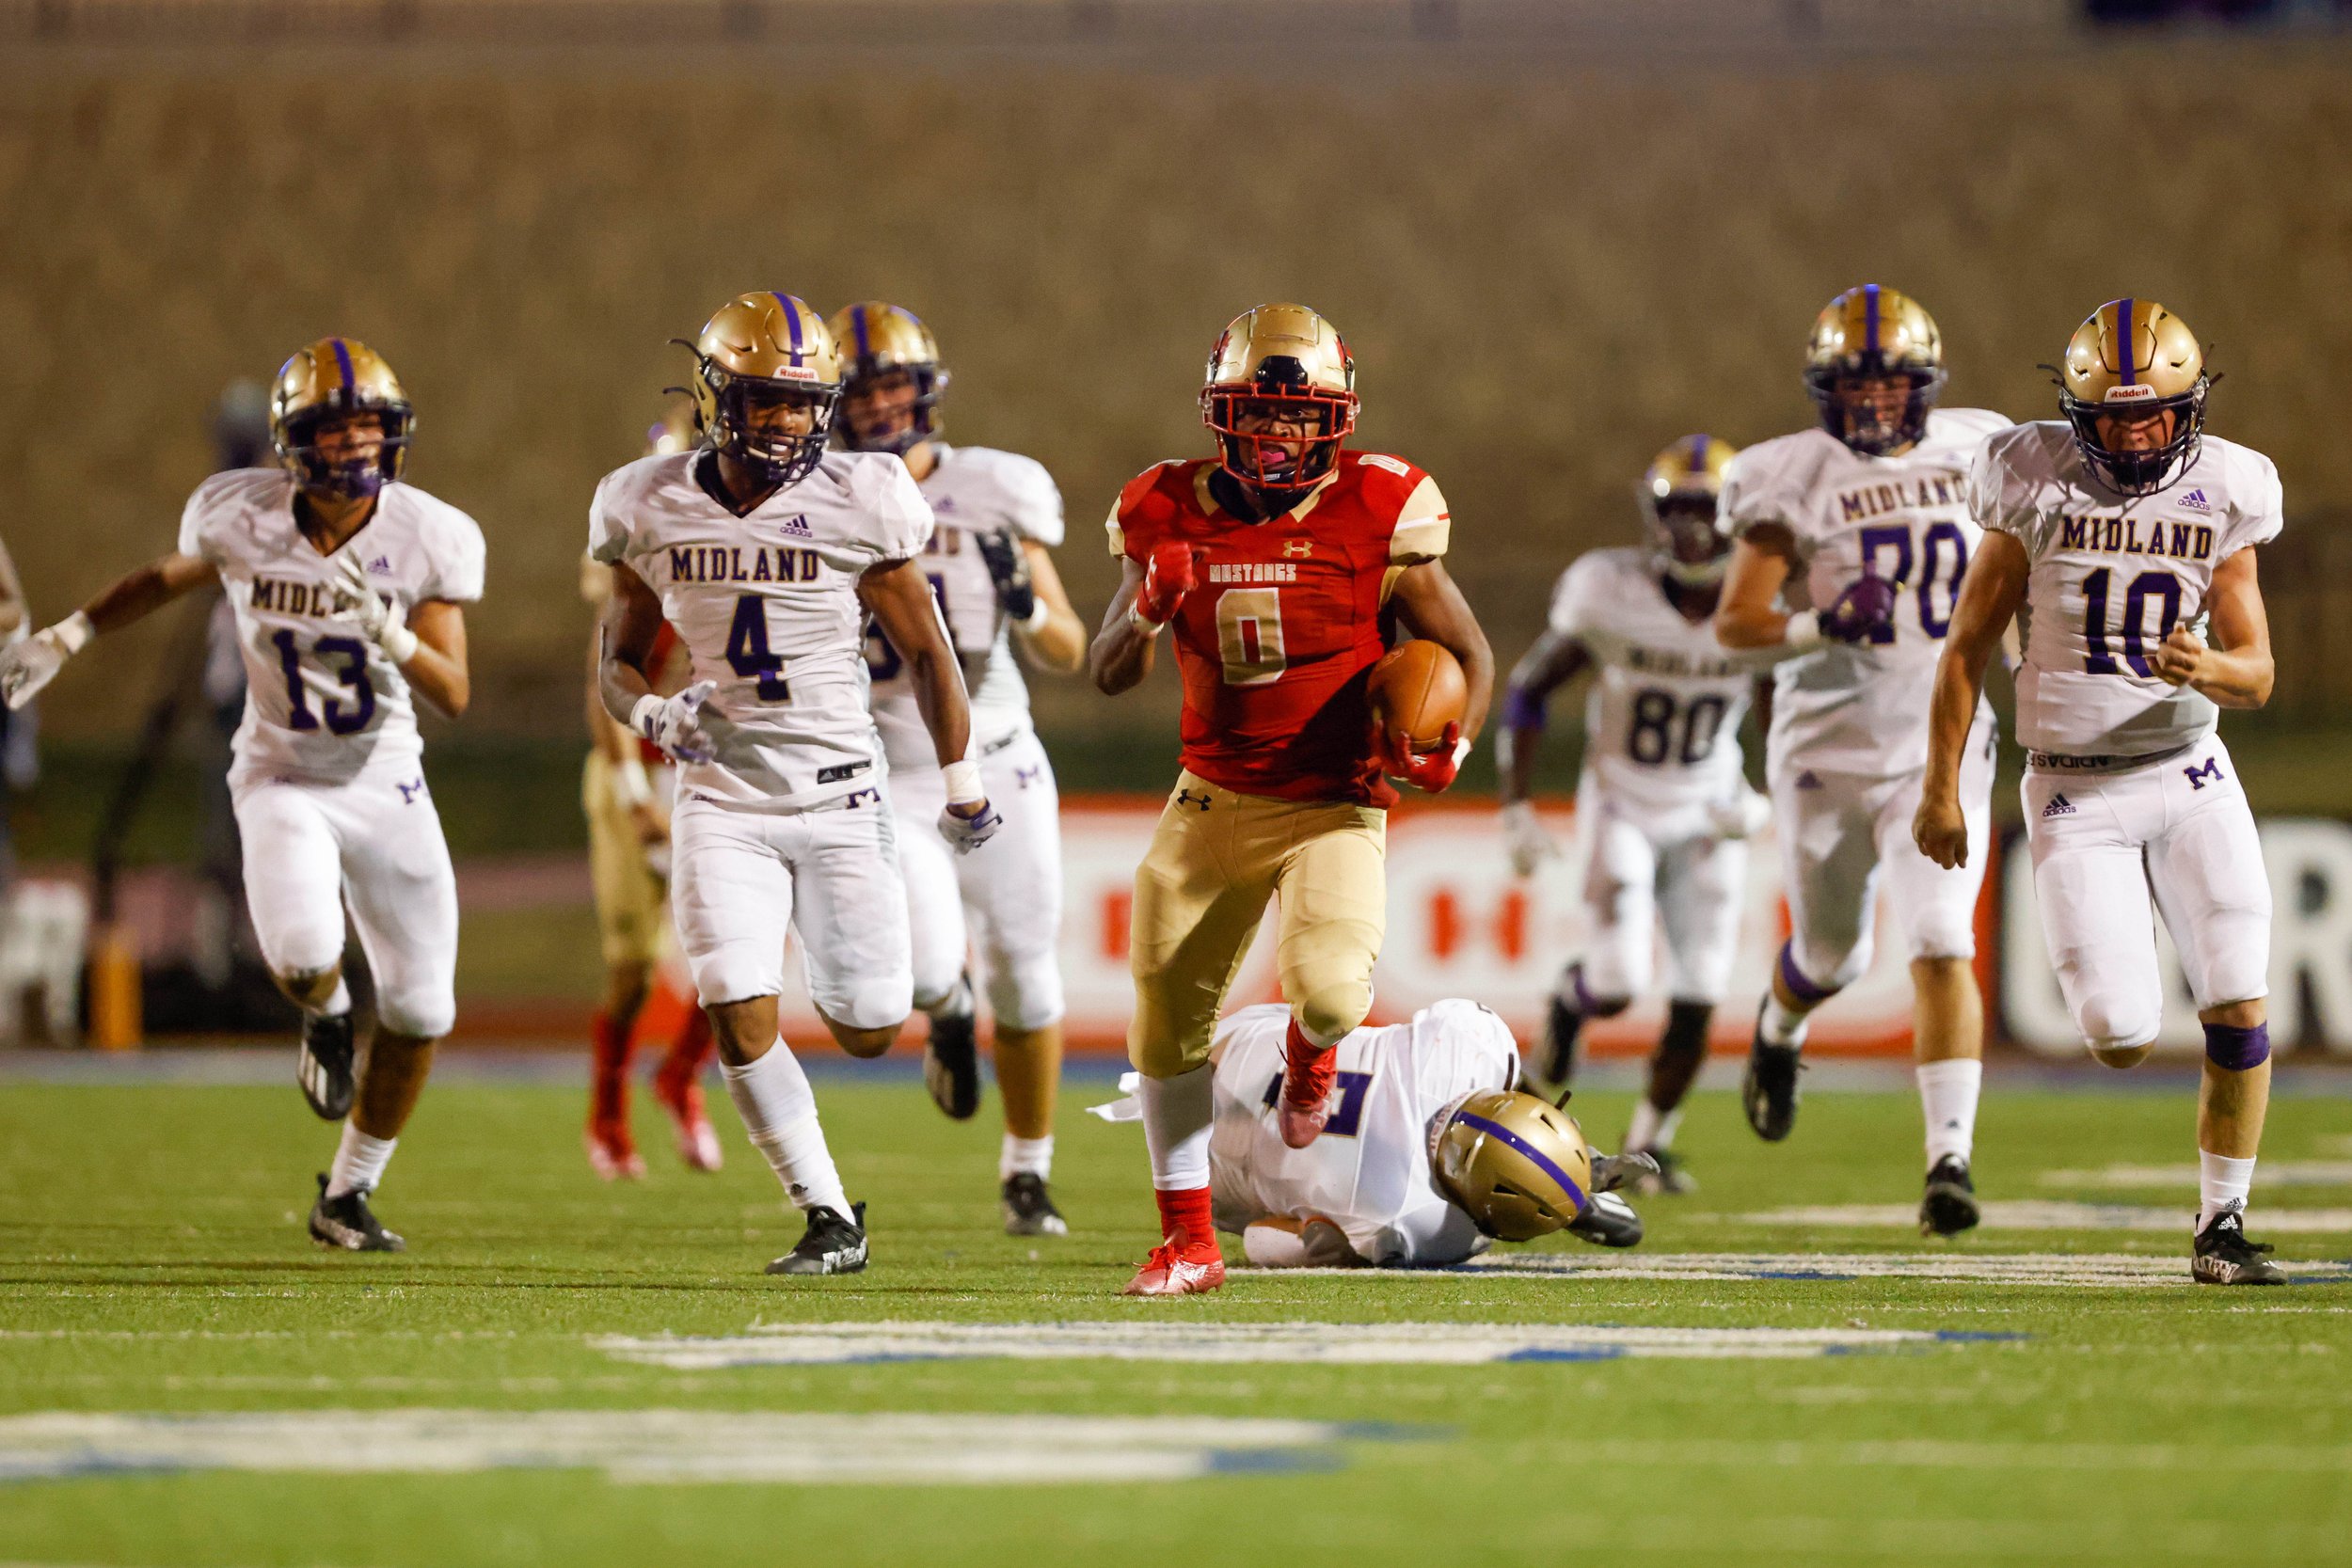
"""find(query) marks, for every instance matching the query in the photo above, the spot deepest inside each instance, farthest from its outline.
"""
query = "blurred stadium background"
(1556, 232)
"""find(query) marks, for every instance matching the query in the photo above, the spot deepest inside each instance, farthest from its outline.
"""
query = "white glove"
(1743, 816)
(1525, 836)
(376, 614)
(675, 723)
(966, 834)
(27, 666)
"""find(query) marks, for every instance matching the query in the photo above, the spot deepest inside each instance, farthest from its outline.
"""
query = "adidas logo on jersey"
(2195, 501)
(381, 565)
(2060, 806)
(798, 527)
(1808, 780)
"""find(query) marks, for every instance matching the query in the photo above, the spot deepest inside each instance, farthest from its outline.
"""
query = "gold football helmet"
(333, 380)
(1678, 496)
(1874, 366)
(2134, 388)
(879, 339)
(1281, 395)
(761, 352)
(1518, 1166)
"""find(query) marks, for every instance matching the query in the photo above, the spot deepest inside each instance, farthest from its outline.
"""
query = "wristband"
(1142, 623)
(963, 783)
(1035, 620)
(1803, 630)
(629, 781)
(399, 644)
(644, 716)
(74, 632)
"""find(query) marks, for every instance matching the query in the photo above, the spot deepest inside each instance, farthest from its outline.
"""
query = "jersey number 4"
(747, 650)
(351, 656)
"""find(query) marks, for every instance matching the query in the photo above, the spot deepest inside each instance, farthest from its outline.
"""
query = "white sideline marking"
(2273, 1173)
(671, 1445)
(1954, 1268)
(1353, 1344)
(1931, 1453)
(2043, 1214)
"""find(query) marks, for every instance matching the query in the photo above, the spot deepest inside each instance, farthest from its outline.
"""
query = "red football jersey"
(1275, 643)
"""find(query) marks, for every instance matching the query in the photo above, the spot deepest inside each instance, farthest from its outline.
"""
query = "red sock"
(1308, 1069)
(691, 1051)
(1185, 1216)
(608, 1092)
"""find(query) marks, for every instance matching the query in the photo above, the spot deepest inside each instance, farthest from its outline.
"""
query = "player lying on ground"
(1429, 1155)
(997, 515)
(1280, 563)
(767, 553)
(627, 790)
(1862, 525)
(347, 586)
(2125, 535)
(1663, 805)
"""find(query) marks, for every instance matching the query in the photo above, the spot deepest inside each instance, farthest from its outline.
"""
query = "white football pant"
(1631, 882)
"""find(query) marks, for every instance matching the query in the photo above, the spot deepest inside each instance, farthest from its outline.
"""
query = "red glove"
(1433, 769)
(1167, 577)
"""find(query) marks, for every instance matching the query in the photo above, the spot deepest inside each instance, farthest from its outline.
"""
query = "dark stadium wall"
(1544, 278)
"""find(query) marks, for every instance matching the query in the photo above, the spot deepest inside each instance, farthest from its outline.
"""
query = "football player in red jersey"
(1284, 565)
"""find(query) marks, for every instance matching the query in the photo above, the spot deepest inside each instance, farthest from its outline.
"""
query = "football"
(1417, 687)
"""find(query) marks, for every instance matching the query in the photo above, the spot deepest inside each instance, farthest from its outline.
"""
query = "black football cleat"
(347, 1223)
(1608, 1221)
(1563, 1029)
(1769, 1092)
(324, 1066)
(951, 1059)
(1030, 1208)
(2225, 1256)
(830, 1245)
(1949, 1204)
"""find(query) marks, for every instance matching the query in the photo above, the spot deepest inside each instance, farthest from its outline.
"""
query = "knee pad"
(1024, 990)
(1944, 933)
(425, 1015)
(878, 1003)
(1329, 1008)
(2121, 1033)
(2234, 1049)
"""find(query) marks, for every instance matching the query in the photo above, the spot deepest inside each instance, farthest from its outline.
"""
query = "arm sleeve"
(608, 532)
(1035, 502)
(1424, 526)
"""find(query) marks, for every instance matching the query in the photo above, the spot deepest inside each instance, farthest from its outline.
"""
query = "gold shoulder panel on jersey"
(1518, 1166)
(327, 379)
(2133, 388)
(1424, 528)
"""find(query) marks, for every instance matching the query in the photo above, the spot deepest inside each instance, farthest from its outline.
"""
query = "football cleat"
(1307, 1077)
(1949, 1206)
(1175, 1269)
(951, 1058)
(1672, 1179)
(324, 1066)
(681, 1096)
(1607, 1221)
(830, 1245)
(346, 1221)
(611, 1151)
(1030, 1208)
(2225, 1256)
(1769, 1092)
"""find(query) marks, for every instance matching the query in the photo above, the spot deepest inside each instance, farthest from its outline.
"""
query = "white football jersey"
(1863, 710)
(1369, 1173)
(1661, 721)
(767, 606)
(2111, 575)
(322, 702)
(972, 490)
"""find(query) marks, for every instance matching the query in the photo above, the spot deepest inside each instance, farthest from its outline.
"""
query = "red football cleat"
(611, 1151)
(1179, 1269)
(1308, 1073)
(697, 1141)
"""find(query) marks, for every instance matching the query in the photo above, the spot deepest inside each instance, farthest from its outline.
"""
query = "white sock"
(338, 1004)
(360, 1162)
(1781, 1025)
(1948, 1100)
(1651, 1128)
(1025, 1157)
(779, 1111)
(2221, 1181)
(1177, 1112)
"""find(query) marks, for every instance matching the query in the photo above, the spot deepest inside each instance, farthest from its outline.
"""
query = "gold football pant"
(630, 897)
(1201, 890)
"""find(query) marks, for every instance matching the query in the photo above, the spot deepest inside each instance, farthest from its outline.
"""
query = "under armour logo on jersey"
(1298, 549)
(1187, 798)
(798, 527)
(2060, 806)
(2202, 774)
(408, 792)
(1808, 780)
(2195, 501)
(1025, 777)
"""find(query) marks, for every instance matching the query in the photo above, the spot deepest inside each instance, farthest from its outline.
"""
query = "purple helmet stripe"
(342, 361)
(791, 321)
(1543, 1161)
(1870, 317)
(2123, 337)
(1698, 453)
(857, 325)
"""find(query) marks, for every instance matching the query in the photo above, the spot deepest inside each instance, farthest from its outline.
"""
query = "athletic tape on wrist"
(399, 643)
(963, 783)
(645, 715)
(74, 632)
(1038, 614)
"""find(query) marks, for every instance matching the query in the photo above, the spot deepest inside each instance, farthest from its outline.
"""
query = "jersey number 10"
(2161, 586)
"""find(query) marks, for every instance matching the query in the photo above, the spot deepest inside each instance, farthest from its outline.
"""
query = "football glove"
(376, 614)
(1864, 610)
(1433, 769)
(966, 834)
(675, 723)
(1008, 569)
(1525, 837)
(1743, 816)
(1612, 1171)
(1167, 577)
(27, 666)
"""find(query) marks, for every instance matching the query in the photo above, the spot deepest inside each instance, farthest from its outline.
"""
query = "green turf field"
(151, 1263)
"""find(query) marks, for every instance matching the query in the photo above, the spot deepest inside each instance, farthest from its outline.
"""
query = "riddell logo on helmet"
(797, 372)
(2133, 391)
